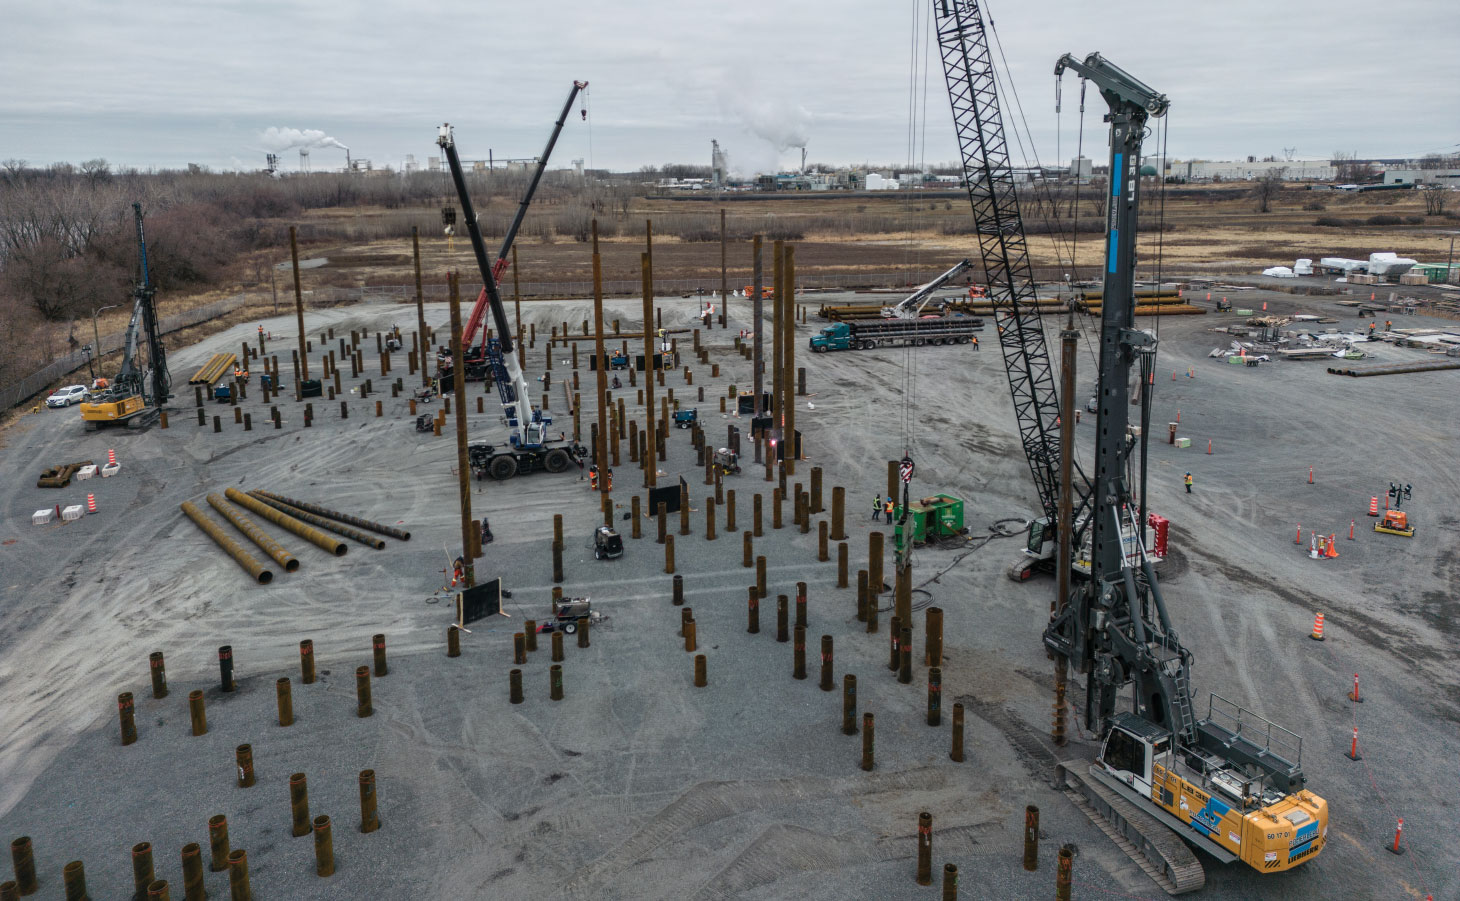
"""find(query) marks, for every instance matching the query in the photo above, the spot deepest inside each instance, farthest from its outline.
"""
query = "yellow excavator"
(135, 397)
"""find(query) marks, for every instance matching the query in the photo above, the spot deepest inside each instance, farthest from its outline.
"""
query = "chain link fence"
(36, 382)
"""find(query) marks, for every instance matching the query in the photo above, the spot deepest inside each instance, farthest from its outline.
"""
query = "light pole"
(96, 334)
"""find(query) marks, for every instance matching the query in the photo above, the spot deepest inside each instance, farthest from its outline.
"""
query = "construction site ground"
(639, 785)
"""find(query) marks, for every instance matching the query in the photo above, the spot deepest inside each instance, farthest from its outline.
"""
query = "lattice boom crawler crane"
(1231, 783)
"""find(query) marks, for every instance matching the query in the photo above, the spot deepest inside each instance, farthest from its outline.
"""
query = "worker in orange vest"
(887, 506)
(1188, 483)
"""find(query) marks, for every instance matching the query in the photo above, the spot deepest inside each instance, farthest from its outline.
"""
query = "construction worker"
(1188, 483)
(609, 486)
(1387, 324)
(1372, 326)
(876, 508)
(975, 342)
(887, 506)
(486, 531)
(593, 477)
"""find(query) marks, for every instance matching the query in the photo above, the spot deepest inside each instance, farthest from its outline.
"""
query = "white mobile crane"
(1230, 784)
(529, 447)
(911, 307)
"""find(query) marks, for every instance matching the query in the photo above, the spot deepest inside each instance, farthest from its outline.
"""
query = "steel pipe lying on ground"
(1395, 369)
(258, 536)
(321, 521)
(341, 517)
(262, 574)
(287, 522)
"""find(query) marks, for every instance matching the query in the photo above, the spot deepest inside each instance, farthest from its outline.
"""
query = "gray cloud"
(156, 85)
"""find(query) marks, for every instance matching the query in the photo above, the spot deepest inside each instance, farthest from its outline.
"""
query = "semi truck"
(869, 333)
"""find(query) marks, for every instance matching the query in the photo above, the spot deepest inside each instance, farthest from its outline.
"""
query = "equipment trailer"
(869, 333)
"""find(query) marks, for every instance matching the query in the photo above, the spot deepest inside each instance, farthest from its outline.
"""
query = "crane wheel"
(502, 467)
(556, 460)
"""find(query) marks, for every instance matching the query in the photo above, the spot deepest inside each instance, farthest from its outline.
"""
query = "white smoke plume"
(781, 124)
(276, 140)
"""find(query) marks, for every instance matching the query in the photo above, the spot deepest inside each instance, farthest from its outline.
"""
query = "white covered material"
(73, 512)
(1303, 267)
(1389, 264)
(40, 517)
(110, 470)
(1279, 272)
(1344, 264)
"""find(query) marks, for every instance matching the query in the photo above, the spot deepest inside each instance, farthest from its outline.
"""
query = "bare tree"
(1435, 201)
(97, 170)
(1098, 195)
(1267, 189)
(1347, 169)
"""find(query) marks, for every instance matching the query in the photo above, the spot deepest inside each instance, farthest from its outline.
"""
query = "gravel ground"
(637, 784)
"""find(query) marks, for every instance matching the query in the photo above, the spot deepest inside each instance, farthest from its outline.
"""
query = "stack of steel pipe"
(335, 515)
(262, 574)
(284, 521)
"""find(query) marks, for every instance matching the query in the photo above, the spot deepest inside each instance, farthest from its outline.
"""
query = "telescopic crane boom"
(911, 307)
(479, 309)
(516, 393)
(529, 448)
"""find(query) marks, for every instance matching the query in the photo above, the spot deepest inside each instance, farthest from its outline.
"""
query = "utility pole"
(420, 308)
(788, 353)
(298, 304)
(778, 296)
(757, 360)
(517, 305)
(1065, 526)
(646, 262)
(463, 467)
(600, 365)
(725, 285)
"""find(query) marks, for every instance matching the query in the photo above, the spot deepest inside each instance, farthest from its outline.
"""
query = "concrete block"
(73, 512)
(40, 517)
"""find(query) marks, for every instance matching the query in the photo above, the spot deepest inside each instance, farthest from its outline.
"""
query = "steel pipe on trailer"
(335, 515)
(321, 521)
(284, 521)
(255, 534)
(262, 574)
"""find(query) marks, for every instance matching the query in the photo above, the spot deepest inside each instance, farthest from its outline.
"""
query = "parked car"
(65, 397)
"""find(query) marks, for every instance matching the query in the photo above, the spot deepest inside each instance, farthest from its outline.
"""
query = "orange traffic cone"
(1173, 375)
(91, 503)
(1264, 306)
(111, 457)
(1209, 295)
(1209, 445)
(1332, 549)
(1317, 633)
(1310, 475)
(1374, 506)
(1351, 530)
(1299, 539)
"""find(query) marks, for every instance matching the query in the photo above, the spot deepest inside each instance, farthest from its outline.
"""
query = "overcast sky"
(152, 84)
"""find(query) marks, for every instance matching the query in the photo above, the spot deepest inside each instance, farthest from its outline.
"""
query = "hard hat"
(1188, 473)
